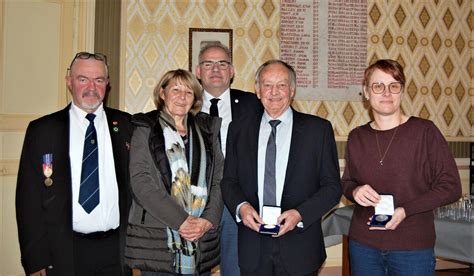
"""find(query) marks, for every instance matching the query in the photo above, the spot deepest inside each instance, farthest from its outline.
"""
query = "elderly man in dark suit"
(287, 162)
(215, 71)
(72, 195)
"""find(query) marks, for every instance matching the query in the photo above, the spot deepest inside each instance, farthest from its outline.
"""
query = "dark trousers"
(154, 273)
(271, 262)
(97, 255)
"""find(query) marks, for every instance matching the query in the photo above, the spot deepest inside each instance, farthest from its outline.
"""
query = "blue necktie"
(89, 190)
(269, 180)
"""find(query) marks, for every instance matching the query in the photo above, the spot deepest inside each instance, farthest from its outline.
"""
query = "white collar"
(225, 95)
(284, 118)
(81, 114)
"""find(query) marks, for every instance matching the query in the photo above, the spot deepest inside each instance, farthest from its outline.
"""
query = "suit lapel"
(297, 144)
(63, 169)
(64, 130)
(114, 131)
(234, 105)
(254, 132)
(120, 144)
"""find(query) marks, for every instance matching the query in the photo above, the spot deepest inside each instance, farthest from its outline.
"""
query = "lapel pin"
(115, 128)
(236, 101)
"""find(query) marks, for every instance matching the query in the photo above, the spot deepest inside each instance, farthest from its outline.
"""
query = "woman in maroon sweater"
(406, 157)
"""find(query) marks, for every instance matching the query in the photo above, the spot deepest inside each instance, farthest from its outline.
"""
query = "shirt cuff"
(237, 212)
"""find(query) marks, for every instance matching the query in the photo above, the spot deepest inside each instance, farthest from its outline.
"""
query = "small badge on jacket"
(48, 169)
(115, 126)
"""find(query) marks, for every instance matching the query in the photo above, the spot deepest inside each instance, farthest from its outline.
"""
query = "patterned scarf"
(191, 196)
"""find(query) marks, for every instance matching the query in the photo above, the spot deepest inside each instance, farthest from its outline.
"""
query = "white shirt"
(283, 142)
(106, 215)
(225, 112)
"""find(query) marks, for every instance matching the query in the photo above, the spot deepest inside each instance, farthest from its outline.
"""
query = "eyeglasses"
(87, 55)
(393, 87)
(221, 64)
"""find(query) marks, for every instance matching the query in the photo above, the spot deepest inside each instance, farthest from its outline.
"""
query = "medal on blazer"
(48, 169)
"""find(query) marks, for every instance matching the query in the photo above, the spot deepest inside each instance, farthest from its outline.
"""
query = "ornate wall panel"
(433, 39)
(157, 40)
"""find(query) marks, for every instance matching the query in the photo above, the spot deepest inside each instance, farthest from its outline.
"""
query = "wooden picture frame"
(198, 37)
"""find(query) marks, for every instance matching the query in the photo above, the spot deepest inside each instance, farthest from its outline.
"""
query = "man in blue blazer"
(215, 71)
(58, 235)
(305, 179)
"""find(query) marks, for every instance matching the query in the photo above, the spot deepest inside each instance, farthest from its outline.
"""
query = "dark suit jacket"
(312, 187)
(244, 104)
(44, 214)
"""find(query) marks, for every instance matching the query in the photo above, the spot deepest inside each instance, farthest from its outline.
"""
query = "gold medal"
(48, 182)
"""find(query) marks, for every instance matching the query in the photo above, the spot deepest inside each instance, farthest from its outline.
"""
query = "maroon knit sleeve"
(444, 180)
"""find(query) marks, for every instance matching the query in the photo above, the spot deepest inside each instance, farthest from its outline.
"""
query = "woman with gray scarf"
(175, 167)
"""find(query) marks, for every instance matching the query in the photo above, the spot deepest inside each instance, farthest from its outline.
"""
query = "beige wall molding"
(15, 122)
(84, 26)
(8, 167)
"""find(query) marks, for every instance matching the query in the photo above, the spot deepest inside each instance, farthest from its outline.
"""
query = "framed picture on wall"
(199, 37)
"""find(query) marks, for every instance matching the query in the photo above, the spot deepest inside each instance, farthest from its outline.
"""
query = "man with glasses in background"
(72, 196)
(215, 71)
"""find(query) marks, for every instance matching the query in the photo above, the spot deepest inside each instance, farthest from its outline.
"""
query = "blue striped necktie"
(89, 190)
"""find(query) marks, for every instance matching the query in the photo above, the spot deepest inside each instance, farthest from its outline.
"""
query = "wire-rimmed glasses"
(393, 87)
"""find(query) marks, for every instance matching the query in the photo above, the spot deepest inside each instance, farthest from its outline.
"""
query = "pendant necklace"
(382, 157)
